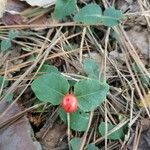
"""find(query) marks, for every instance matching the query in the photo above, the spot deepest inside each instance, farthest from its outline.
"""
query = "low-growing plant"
(64, 8)
(87, 95)
(75, 142)
(6, 43)
(90, 14)
(3, 84)
(119, 134)
(144, 79)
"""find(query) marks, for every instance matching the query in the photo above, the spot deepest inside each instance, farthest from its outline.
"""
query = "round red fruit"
(69, 103)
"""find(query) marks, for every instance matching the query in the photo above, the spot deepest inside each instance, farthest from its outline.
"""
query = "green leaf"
(9, 97)
(90, 94)
(112, 17)
(48, 69)
(5, 45)
(114, 35)
(70, 47)
(64, 8)
(145, 80)
(136, 68)
(13, 34)
(6, 82)
(90, 14)
(74, 143)
(26, 49)
(119, 134)
(92, 147)
(32, 57)
(50, 88)
(78, 120)
(91, 68)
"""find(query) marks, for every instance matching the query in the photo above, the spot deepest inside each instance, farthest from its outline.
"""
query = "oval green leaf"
(75, 142)
(90, 94)
(50, 88)
(64, 8)
(5, 45)
(9, 97)
(92, 147)
(119, 134)
(78, 120)
(90, 15)
(48, 69)
(6, 82)
(112, 17)
(13, 34)
(91, 67)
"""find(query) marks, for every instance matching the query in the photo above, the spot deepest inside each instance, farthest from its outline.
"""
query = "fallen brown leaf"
(18, 135)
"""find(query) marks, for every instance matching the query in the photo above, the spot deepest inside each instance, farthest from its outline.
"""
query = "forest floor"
(32, 39)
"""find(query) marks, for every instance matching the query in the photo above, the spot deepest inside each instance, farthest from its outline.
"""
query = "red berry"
(69, 103)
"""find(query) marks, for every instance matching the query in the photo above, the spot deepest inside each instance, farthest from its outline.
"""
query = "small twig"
(18, 116)
(4, 78)
(121, 124)
(105, 63)
(82, 42)
(49, 124)
(86, 132)
(39, 26)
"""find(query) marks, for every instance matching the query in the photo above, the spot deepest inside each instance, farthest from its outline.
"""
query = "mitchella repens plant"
(90, 14)
(87, 95)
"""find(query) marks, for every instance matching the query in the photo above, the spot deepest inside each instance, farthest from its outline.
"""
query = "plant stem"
(68, 130)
